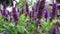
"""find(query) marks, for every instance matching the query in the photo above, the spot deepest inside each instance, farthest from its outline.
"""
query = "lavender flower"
(15, 15)
(54, 10)
(4, 12)
(36, 12)
(30, 14)
(5, 32)
(41, 7)
(4, 5)
(54, 30)
(27, 9)
(46, 14)
(38, 2)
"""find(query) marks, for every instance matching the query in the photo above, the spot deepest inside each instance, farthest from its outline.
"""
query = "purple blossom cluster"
(36, 14)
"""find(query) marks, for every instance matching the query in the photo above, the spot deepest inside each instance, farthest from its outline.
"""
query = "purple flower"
(54, 10)
(36, 12)
(27, 9)
(4, 5)
(54, 30)
(5, 32)
(4, 11)
(41, 7)
(46, 14)
(5, 14)
(30, 14)
(38, 2)
(15, 15)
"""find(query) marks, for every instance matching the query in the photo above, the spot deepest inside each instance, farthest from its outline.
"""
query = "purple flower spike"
(4, 11)
(30, 14)
(4, 5)
(41, 8)
(46, 14)
(38, 3)
(5, 14)
(27, 9)
(54, 30)
(5, 32)
(54, 10)
(15, 15)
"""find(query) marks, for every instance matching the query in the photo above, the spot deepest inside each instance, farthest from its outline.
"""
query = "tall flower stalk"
(15, 15)
(54, 10)
(4, 12)
(27, 8)
(41, 8)
(46, 14)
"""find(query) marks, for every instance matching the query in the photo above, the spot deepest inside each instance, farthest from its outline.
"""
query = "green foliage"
(20, 28)
(21, 3)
